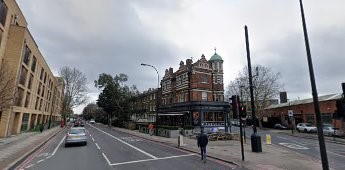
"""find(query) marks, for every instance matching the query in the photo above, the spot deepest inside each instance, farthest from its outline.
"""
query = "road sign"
(290, 113)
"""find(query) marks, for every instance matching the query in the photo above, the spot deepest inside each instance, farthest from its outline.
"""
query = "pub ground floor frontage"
(196, 114)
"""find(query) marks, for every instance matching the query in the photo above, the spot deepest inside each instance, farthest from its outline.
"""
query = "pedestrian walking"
(202, 143)
(42, 127)
(151, 129)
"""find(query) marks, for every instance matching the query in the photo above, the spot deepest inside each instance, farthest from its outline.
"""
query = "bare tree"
(266, 87)
(7, 85)
(75, 88)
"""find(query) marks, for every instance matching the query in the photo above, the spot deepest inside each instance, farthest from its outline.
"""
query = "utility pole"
(255, 139)
(322, 145)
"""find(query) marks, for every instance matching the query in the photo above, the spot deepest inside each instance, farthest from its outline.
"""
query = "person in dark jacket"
(202, 143)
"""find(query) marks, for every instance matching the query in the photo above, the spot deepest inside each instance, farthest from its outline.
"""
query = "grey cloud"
(288, 56)
(115, 42)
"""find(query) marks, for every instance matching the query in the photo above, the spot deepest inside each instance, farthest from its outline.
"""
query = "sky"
(116, 36)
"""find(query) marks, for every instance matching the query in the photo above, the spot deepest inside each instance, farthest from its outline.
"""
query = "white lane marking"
(49, 157)
(40, 161)
(336, 154)
(30, 165)
(93, 139)
(126, 143)
(300, 143)
(293, 146)
(145, 160)
(97, 146)
(281, 137)
(106, 158)
(57, 147)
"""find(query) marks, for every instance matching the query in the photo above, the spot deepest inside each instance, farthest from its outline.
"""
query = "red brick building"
(303, 111)
(194, 94)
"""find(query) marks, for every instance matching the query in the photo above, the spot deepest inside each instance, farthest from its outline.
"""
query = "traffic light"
(340, 112)
(234, 105)
(243, 112)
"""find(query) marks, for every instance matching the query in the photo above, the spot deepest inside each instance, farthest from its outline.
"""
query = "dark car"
(279, 126)
(78, 124)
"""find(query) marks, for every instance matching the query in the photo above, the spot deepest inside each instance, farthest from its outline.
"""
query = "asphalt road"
(111, 149)
(305, 146)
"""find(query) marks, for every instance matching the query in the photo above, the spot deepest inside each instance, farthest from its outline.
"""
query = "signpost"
(290, 114)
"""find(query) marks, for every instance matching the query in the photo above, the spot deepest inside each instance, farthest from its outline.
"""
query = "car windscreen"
(76, 131)
(309, 125)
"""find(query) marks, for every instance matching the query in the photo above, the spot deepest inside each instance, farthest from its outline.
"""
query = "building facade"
(146, 106)
(36, 93)
(194, 94)
(303, 111)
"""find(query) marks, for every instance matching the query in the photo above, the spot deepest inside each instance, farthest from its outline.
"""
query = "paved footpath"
(273, 157)
(15, 148)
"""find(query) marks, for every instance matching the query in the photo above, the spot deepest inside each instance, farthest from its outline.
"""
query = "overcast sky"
(116, 36)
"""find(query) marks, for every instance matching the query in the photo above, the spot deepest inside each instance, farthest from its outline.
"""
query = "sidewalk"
(15, 148)
(273, 157)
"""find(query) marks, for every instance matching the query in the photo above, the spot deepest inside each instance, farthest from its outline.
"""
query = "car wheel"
(66, 145)
(305, 130)
(298, 131)
(85, 143)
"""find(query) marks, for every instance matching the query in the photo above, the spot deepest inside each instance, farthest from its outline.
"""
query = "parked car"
(279, 126)
(76, 135)
(306, 127)
(331, 131)
(92, 121)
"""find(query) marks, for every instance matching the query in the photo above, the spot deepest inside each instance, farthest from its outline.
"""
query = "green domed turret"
(216, 57)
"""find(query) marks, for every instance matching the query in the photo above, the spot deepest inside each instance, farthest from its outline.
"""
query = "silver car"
(306, 127)
(76, 135)
(331, 131)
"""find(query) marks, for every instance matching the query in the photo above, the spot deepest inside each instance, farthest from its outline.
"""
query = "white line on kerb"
(145, 160)
(126, 143)
(57, 147)
(105, 157)
(97, 146)
(30, 165)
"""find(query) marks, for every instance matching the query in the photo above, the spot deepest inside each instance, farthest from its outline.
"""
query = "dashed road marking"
(126, 143)
(106, 158)
(336, 154)
(281, 137)
(57, 147)
(40, 161)
(93, 139)
(145, 160)
(97, 146)
(293, 146)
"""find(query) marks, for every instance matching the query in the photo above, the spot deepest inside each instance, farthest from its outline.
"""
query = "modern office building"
(35, 93)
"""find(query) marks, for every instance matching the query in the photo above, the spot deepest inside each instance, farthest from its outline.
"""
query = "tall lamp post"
(156, 95)
(53, 107)
(322, 145)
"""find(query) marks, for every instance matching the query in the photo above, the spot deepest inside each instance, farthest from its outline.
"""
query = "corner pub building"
(194, 95)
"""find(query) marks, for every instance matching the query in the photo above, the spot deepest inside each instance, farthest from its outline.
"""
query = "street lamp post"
(156, 95)
(323, 151)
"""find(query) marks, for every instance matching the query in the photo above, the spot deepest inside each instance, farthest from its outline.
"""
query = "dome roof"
(216, 57)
